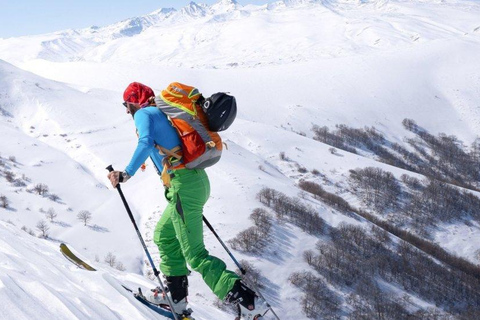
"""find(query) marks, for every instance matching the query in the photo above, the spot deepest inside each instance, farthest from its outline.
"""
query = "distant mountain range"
(288, 31)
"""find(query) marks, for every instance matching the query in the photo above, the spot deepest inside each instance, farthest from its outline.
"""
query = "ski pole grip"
(109, 168)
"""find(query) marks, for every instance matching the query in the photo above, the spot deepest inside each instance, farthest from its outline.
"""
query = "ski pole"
(155, 271)
(242, 270)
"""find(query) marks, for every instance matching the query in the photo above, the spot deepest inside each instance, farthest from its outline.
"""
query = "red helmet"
(138, 93)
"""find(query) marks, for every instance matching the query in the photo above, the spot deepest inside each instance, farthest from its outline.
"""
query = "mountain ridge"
(231, 32)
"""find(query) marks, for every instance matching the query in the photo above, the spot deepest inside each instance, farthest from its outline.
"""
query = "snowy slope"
(291, 64)
(36, 281)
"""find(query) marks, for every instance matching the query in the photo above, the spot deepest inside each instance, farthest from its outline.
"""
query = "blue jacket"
(153, 128)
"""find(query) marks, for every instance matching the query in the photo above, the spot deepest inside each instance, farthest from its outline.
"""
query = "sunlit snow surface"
(290, 64)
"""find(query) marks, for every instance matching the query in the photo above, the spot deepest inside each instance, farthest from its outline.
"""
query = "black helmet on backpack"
(221, 110)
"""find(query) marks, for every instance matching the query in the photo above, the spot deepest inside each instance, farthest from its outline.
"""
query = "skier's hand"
(114, 177)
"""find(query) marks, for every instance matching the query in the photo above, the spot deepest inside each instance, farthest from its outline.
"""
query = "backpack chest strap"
(171, 153)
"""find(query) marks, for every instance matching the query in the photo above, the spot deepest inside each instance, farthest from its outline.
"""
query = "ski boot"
(177, 286)
(250, 306)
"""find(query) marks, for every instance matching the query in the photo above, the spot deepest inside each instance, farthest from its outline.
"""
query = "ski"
(67, 253)
(158, 309)
(70, 256)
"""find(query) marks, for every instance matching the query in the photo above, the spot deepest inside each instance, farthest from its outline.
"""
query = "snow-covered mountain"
(227, 35)
(291, 64)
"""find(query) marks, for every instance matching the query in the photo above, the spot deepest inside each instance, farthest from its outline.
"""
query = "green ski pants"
(179, 233)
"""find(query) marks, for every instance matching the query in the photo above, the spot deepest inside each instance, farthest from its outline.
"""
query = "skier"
(179, 232)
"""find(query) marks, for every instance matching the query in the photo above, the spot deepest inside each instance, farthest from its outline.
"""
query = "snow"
(38, 282)
(290, 64)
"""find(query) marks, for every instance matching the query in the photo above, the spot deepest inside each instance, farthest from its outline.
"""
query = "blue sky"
(27, 17)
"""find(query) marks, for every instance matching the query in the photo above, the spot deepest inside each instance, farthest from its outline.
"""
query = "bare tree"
(410, 124)
(40, 189)
(111, 259)
(4, 201)
(84, 216)
(54, 197)
(475, 150)
(10, 176)
(262, 219)
(120, 266)
(43, 227)
(308, 256)
(51, 214)
(249, 240)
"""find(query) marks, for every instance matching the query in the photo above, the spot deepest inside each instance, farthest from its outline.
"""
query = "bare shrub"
(308, 256)
(262, 219)
(84, 216)
(302, 169)
(54, 197)
(319, 301)
(319, 193)
(120, 266)
(267, 196)
(51, 214)
(411, 182)
(43, 227)
(41, 189)
(10, 176)
(110, 259)
(410, 125)
(314, 188)
(4, 202)
(303, 216)
(249, 240)
(19, 183)
(378, 188)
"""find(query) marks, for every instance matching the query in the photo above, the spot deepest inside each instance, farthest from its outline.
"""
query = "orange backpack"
(201, 148)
